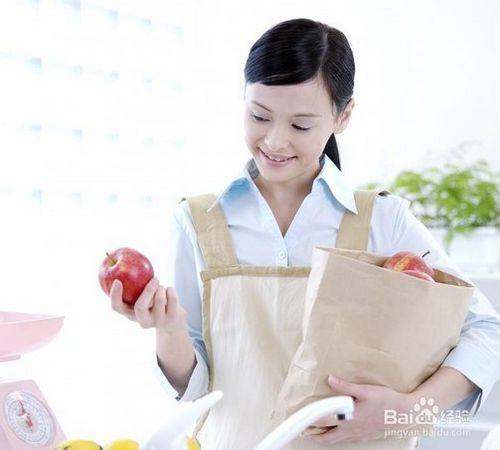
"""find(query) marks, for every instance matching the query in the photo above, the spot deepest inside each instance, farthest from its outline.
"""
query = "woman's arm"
(446, 387)
(181, 360)
(176, 358)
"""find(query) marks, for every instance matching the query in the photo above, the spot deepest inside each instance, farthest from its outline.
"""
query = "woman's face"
(291, 123)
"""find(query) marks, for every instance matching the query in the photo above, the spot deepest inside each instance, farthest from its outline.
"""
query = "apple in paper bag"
(410, 264)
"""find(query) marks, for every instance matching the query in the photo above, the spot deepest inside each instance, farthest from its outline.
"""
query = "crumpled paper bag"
(370, 325)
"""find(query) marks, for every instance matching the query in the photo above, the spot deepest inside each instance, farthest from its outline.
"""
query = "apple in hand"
(129, 266)
(404, 261)
(418, 274)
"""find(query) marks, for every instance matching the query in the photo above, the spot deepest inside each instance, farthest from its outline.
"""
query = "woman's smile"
(274, 161)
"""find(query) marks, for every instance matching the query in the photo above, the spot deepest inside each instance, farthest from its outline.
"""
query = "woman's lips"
(273, 163)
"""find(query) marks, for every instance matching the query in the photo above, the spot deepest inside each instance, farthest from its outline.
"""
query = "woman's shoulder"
(392, 220)
(182, 211)
(181, 217)
(389, 203)
(388, 212)
(181, 208)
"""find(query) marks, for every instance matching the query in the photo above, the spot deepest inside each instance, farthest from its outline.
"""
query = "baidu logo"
(424, 419)
(424, 412)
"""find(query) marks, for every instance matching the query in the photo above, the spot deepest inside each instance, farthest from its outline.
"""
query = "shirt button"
(282, 255)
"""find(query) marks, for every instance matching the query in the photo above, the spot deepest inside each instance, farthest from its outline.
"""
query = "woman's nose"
(277, 138)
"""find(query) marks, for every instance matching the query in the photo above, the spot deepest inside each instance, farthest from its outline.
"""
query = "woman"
(242, 258)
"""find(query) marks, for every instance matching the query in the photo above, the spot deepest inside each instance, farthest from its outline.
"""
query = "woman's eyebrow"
(295, 115)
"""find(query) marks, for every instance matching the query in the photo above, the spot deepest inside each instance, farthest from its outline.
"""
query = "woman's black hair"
(297, 50)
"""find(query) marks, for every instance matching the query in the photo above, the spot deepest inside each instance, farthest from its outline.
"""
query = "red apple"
(418, 274)
(409, 261)
(129, 266)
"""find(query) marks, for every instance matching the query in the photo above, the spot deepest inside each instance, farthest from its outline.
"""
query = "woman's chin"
(272, 176)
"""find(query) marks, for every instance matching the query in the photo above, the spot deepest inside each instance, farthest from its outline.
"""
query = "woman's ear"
(342, 121)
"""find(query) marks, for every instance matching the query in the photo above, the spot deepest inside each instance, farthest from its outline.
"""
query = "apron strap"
(212, 231)
(354, 230)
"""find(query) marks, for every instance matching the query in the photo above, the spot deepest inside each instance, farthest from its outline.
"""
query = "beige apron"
(252, 322)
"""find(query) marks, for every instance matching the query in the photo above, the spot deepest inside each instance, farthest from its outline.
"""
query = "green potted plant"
(459, 202)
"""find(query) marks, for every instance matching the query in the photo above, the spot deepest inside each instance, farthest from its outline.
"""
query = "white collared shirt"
(258, 241)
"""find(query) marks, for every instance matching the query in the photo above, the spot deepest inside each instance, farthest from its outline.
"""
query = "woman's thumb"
(116, 287)
(341, 386)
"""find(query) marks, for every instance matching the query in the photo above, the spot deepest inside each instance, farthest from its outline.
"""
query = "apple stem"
(426, 253)
(111, 258)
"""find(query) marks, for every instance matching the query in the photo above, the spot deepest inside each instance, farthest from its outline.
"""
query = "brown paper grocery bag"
(370, 325)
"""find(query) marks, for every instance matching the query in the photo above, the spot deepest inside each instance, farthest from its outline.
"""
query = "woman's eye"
(300, 128)
(260, 119)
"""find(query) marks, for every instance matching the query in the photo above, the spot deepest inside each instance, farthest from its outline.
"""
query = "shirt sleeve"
(477, 353)
(183, 276)
(198, 383)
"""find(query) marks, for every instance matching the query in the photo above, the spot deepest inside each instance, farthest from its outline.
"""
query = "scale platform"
(23, 332)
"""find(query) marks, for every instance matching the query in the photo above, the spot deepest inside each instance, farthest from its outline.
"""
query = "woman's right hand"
(157, 307)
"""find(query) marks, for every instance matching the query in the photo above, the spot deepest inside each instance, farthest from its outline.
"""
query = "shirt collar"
(337, 184)
(329, 173)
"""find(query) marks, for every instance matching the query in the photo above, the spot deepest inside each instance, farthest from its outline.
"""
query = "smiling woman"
(241, 258)
(305, 72)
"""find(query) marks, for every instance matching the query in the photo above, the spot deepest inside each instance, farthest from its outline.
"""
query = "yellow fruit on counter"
(122, 444)
(78, 444)
(192, 444)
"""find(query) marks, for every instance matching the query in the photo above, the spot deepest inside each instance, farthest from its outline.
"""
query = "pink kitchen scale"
(26, 420)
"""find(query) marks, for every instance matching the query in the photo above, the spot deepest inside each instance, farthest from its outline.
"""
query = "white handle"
(172, 435)
(306, 416)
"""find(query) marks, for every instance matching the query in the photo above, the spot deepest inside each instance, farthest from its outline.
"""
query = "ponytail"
(332, 151)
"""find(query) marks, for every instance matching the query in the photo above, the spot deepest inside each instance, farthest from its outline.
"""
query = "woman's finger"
(312, 430)
(116, 294)
(331, 436)
(143, 305)
(145, 300)
(327, 421)
(172, 302)
(160, 303)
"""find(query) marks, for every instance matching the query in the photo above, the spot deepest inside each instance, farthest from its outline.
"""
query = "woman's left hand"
(370, 403)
